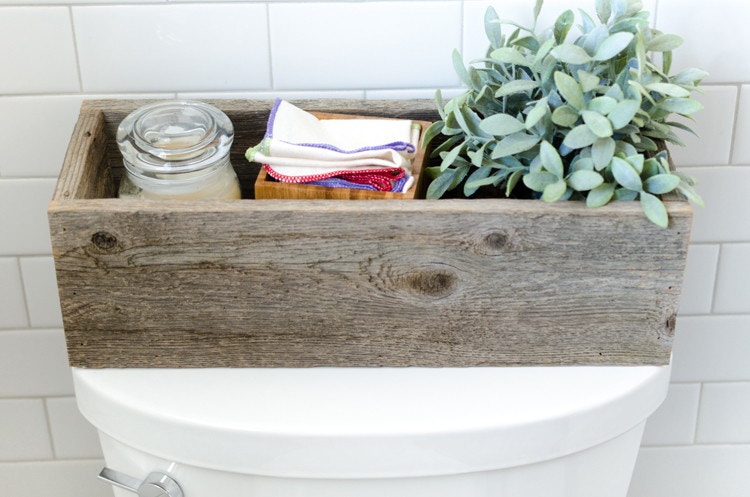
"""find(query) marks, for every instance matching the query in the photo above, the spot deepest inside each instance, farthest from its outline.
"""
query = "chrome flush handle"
(155, 485)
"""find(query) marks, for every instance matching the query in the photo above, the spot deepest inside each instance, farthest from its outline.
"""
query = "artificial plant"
(568, 117)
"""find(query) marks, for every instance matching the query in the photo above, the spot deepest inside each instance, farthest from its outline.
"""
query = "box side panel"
(85, 173)
(274, 283)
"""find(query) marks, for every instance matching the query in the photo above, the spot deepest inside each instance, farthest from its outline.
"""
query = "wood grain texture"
(85, 171)
(304, 283)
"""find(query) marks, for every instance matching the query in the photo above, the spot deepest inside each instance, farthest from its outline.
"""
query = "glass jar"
(177, 150)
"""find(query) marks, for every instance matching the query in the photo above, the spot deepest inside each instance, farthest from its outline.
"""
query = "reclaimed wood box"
(303, 283)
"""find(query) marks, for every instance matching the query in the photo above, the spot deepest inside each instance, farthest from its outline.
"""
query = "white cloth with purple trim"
(300, 148)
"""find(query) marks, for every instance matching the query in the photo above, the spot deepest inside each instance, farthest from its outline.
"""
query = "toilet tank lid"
(367, 422)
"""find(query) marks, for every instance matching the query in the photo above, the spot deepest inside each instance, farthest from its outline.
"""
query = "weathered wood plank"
(85, 173)
(399, 283)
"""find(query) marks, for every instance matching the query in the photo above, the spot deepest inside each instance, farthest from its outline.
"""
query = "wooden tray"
(268, 188)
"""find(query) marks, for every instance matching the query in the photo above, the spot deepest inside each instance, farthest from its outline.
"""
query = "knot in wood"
(431, 282)
(494, 243)
(496, 240)
(104, 241)
(670, 325)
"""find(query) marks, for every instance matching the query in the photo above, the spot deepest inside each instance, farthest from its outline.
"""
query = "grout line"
(24, 293)
(735, 120)
(715, 315)
(270, 48)
(49, 429)
(75, 48)
(715, 281)
(698, 415)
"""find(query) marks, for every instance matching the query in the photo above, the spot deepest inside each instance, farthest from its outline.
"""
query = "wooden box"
(301, 283)
(267, 188)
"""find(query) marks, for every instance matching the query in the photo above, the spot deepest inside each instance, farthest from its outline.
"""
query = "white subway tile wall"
(713, 127)
(674, 422)
(41, 292)
(72, 436)
(58, 53)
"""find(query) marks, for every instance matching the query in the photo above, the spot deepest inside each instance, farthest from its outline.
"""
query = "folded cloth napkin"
(299, 147)
(400, 185)
(388, 179)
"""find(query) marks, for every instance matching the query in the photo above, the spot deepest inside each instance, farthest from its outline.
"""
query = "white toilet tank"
(375, 432)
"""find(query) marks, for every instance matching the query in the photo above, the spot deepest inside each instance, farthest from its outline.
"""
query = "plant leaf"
(603, 10)
(492, 27)
(623, 113)
(600, 195)
(565, 116)
(555, 191)
(664, 43)
(442, 183)
(626, 175)
(584, 180)
(537, 9)
(543, 51)
(597, 123)
(439, 103)
(591, 41)
(686, 188)
(680, 106)
(539, 180)
(603, 105)
(469, 122)
(579, 137)
(431, 132)
(529, 42)
(551, 160)
(460, 68)
(450, 157)
(619, 7)
(666, 62)
(508, 55)
(615, 91)
(563, 25)
(602, 152)
(613, 45)
(478, 178)
(654, 209)
(582, 164)
(691, 76)
(668, 89)
(513, 181)
(501, 125)
(516, 86)
(570, 54)
(569, 89)
(477, 156)
(637, 161)
(661, 183)
(625, 194)
(540, 110)
(514, 144)
(589, 82)
(587, 23)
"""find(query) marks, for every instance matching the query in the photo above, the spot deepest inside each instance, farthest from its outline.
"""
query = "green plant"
(581, 119)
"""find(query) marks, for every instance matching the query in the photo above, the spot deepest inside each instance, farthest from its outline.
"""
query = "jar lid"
(174, 137)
